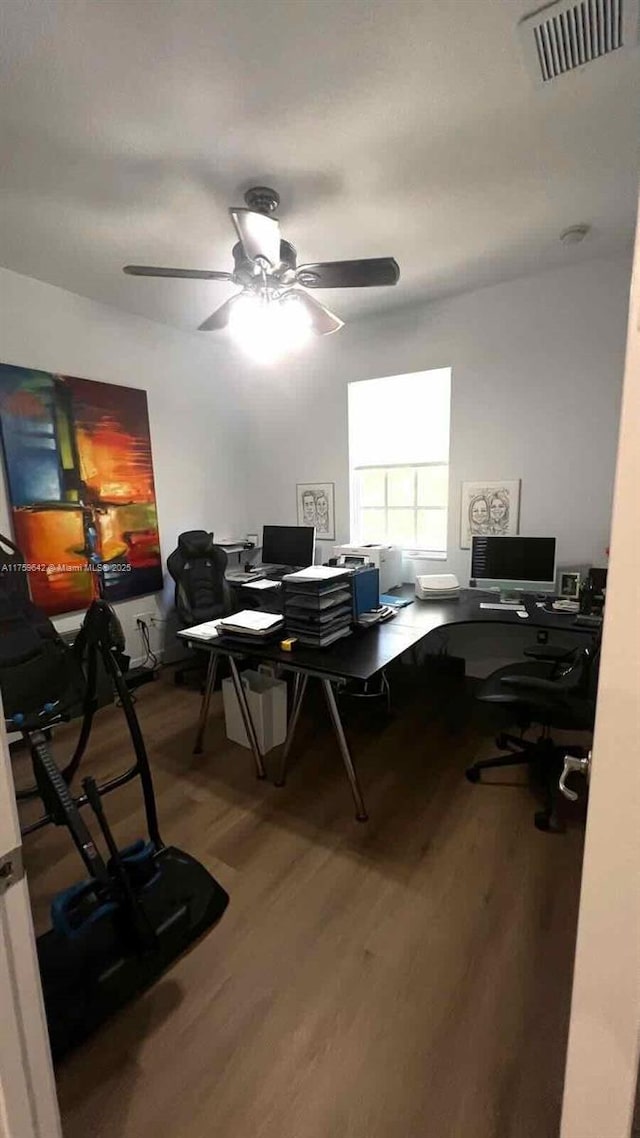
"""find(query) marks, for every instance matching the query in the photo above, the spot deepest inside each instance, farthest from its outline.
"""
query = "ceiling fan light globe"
(296, 328)
(267, 329)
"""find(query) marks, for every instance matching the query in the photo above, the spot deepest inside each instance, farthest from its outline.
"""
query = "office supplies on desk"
(318, 604)
(237, 577)
(593, 591)
(366, 591)
(316, 573)
(206, 631)
(588, 620)
(251, 623)
(565, 605)
(437, 586)
(514, 607)
(261, 583)
(330, 596)
(376, 616)
(395, 602)
(323, 639)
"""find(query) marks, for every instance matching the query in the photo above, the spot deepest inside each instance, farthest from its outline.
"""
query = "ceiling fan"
(273, 287)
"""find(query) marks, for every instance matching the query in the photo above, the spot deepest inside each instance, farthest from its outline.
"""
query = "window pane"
(372, 525)
(401, 487)
(433, 485)
(432, 529)
(401, 527)
(371, 484)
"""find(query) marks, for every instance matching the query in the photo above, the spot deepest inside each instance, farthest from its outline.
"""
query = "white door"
(28, 1103)
(604, 1034)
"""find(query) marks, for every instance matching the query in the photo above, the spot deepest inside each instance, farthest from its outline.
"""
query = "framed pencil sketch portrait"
(489, 509)
(316, 507)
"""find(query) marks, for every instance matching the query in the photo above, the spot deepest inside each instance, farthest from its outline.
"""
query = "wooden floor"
(409, 978)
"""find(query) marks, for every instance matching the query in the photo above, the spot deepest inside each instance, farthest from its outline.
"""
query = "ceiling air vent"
(563, 36)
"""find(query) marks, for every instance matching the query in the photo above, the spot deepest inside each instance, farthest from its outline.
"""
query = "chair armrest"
(552, 653)
(535, 685)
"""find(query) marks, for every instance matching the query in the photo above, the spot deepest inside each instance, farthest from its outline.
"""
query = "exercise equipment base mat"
(88, 976)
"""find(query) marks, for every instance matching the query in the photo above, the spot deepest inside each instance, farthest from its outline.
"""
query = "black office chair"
(198, 568)
(556, 689)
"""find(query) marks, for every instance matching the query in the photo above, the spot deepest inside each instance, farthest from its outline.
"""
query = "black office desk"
(434, 615)
(357, 657)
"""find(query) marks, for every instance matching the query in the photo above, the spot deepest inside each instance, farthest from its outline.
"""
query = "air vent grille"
(564, 36)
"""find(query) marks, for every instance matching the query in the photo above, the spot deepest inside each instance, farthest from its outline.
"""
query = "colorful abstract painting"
(80, 482)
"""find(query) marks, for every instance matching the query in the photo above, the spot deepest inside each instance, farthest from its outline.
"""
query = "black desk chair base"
(545, 760)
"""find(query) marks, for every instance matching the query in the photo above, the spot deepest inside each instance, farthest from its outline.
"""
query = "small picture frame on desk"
(569, 585)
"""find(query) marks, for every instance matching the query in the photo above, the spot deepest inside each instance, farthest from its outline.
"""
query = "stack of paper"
(206, 631)
(254, 625)
(318, 604)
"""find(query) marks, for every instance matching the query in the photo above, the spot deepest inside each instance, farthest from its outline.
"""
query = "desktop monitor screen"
(523, 563)
(288, 545)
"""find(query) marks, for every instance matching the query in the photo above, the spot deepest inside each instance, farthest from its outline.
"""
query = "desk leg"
(246, 718)
(210, 683)
(299, 688)
(384, 683)
(361, 813)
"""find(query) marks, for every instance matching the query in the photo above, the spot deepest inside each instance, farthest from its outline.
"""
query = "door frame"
(28, 1100)
(604, 1032)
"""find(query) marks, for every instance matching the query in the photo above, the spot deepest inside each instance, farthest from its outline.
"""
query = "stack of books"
(318, 604)
(251, 625)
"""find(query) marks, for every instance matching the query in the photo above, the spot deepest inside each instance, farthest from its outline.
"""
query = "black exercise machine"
(114, 933)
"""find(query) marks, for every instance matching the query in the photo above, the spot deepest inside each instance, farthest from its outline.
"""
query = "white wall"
(537, 373)
(537, 370)
(194, 410)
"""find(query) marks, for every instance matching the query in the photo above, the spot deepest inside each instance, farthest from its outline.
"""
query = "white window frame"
(356, 508)
(410, 449)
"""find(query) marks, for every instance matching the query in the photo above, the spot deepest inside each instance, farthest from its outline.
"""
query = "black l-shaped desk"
(359, 656)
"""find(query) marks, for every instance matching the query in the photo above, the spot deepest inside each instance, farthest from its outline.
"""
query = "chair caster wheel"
(472, 775)
(548, 824)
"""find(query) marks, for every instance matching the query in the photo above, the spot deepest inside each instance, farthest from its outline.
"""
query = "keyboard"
(588, 620)
(502, 608)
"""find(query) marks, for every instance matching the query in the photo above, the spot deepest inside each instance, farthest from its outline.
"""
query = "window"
(399, 460)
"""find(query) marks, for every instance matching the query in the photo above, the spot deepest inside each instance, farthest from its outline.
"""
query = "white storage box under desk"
(267, 700)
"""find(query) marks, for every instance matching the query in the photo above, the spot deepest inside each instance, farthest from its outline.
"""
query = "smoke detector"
(566, 35)
(574, 234)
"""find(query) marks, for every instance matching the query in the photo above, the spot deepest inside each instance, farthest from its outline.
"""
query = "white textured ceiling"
(403, 127)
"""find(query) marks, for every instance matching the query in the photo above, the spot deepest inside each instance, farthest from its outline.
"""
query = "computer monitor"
(514, 564)
(288, 545)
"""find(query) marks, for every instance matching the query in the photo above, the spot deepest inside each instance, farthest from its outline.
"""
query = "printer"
(386, 558)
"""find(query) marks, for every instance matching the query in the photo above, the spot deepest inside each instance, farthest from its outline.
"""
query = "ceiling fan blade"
(220, 318)
(189, 274)
(259, 235)
(350, 274)
(323, 321)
